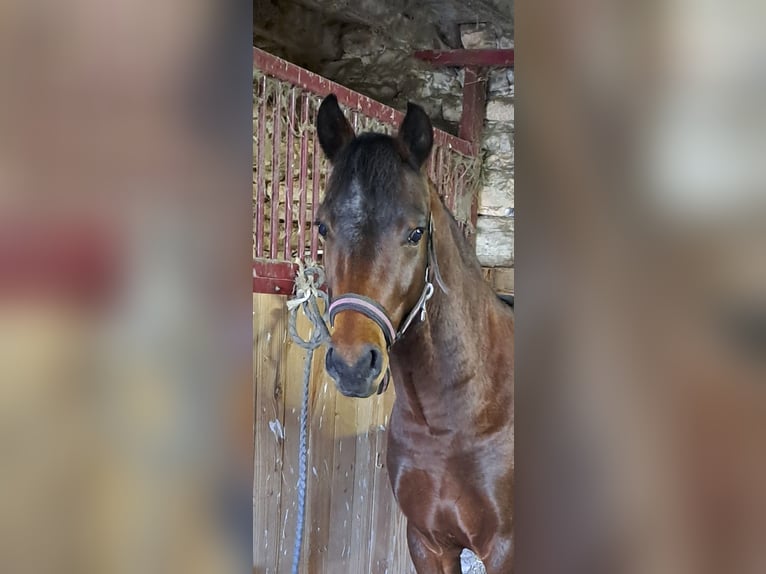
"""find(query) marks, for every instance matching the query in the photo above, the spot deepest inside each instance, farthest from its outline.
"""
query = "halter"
(375, 311)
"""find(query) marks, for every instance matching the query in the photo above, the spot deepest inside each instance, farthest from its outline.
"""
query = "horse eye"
(416, 235)
(322, 228)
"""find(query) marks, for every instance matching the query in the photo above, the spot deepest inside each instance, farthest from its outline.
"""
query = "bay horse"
(408, 299)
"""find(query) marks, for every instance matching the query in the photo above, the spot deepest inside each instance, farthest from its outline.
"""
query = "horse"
(409, 303)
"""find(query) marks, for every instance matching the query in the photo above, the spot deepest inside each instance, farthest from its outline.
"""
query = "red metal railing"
(290, 171)
(316, 84)
(469, 58)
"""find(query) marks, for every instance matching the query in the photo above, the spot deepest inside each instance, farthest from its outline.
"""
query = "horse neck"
(440, 355)
(467, 293)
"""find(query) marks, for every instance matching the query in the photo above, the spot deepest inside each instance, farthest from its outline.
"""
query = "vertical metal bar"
(473, 189)
(432, 168)
(456, 205)
(460, 189)
(450, 198)
(315, 200)
(276, 144)
(289, 174)
(454, 184)
(440, 172)
(355, 121)
(432, 165)
(260, 183)
(447, 170)
(455, 189)
(303, 181)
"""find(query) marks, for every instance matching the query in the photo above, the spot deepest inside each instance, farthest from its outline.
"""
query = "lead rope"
(307, 292)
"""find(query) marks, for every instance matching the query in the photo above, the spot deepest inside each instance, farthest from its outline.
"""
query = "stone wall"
(372, 54)
(494, 237)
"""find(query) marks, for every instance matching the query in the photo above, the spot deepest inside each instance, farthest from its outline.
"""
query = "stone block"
(500, 110)
(358, 43)
(497, 137)
(497, 185)
(499, 84)
(445, 82)
(496, 194)
(452, 108)
(505, 42)
(378, 91)
(498, 161)
(477, 36)
(494, 241)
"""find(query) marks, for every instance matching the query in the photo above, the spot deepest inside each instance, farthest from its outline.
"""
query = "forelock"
(364, 191)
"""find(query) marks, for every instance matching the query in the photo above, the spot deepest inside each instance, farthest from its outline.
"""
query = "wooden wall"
(353, 525)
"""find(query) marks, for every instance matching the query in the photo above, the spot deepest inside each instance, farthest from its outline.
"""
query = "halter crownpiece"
(374, 311)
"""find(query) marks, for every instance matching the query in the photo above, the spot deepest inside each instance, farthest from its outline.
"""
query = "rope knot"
(308, 291)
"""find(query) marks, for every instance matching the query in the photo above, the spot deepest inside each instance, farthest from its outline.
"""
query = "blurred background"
(126, 410)
(125, 389)
(641, 287)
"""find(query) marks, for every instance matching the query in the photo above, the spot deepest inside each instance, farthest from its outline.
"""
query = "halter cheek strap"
(374, 311)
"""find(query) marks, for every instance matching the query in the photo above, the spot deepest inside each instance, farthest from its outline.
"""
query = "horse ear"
(333, 128)
(416, 133)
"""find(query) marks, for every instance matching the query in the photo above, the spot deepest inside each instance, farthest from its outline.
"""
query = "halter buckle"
(427, 294)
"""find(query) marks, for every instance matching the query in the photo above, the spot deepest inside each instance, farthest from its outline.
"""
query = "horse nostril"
(329, 362)
(373, 358)
(356, 375)
(376, 361)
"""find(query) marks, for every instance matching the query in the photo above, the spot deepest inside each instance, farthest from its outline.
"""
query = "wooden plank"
(364, 467)
(384, 505)
(342, 488)
(322, 439)
(256, 462)
(293, 385)
(269, 329)
(402, 561)
(353, 524)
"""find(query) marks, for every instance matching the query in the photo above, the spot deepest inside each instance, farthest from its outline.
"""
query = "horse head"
(375, 225)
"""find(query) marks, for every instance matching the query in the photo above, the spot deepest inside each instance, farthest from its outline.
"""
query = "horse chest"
(440, 490)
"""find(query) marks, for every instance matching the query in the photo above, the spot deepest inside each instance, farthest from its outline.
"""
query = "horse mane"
(469, 260)
(467, 255)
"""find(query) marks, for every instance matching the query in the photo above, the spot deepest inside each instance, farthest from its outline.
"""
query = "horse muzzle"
(358, 375)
